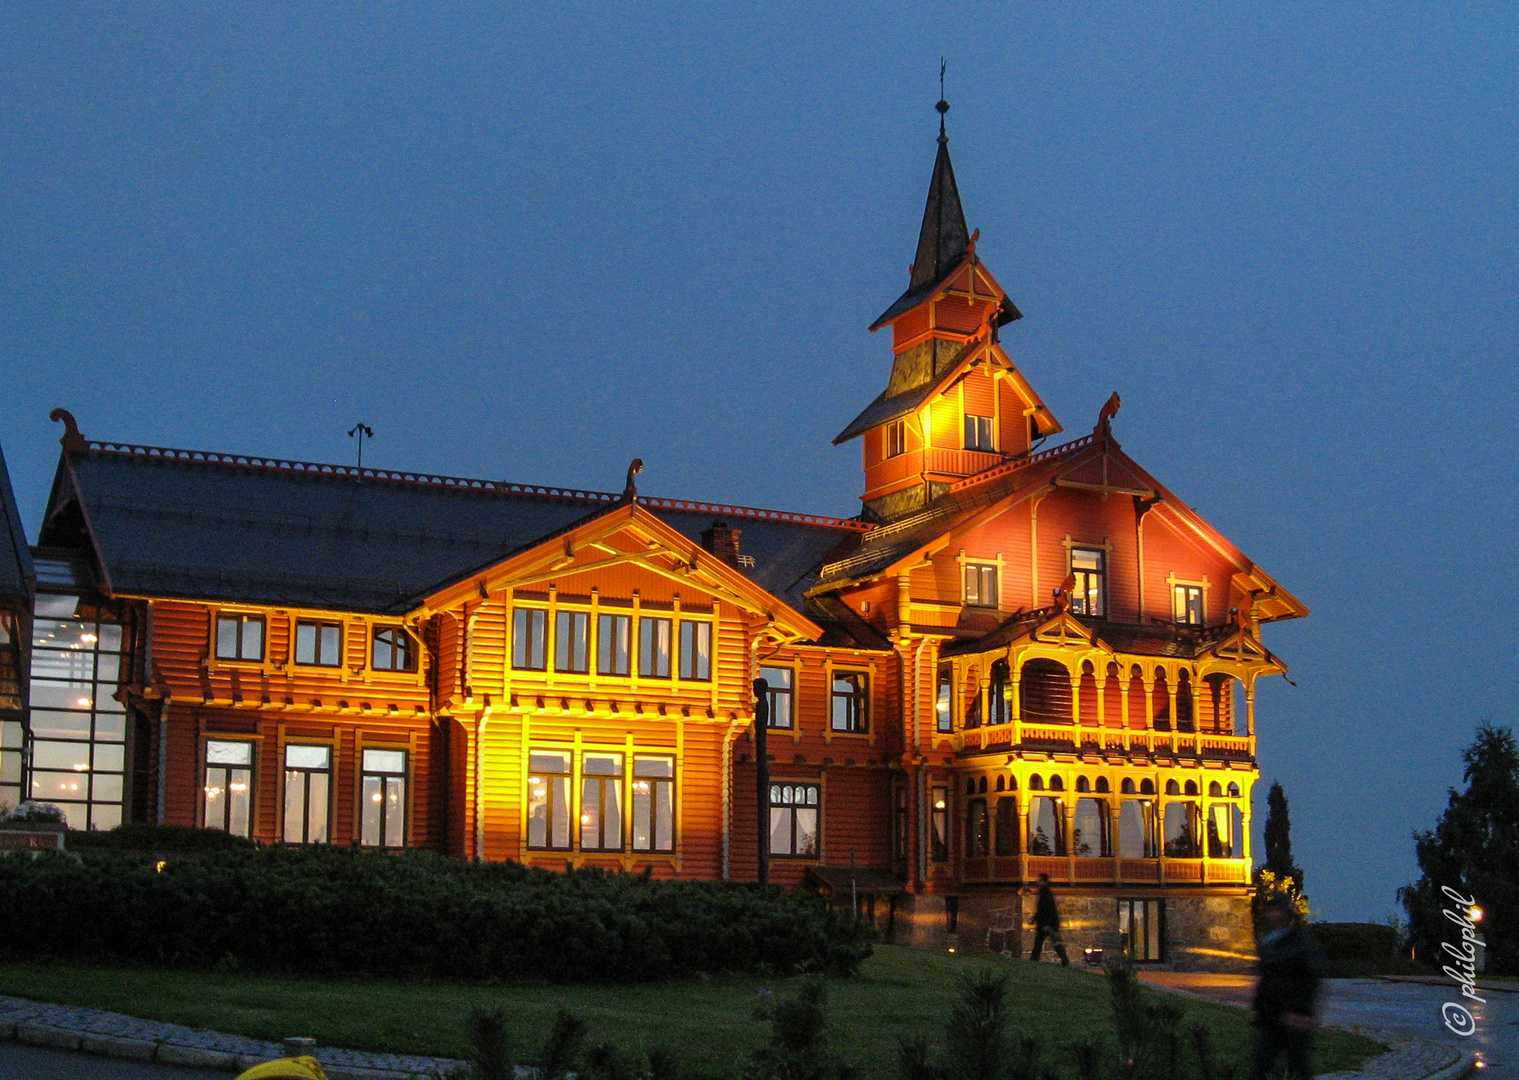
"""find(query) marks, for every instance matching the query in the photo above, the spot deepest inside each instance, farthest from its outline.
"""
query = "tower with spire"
(955, 404)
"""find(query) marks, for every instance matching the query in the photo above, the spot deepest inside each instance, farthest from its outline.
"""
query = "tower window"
(896, 438)
(1187, 604)
(978, 433)
(1089, 568)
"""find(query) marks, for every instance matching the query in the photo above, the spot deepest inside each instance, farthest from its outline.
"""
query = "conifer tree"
(1278, 874)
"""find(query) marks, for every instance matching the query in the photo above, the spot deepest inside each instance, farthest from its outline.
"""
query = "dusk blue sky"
(531, 242)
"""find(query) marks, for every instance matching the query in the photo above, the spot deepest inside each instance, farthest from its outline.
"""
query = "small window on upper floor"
(1187, 604)
(529, 636)
(896, 438)
(1089, 596)
(978, 433)
(851, 704)
(319, 644)
(240, 637)
(393, 650)
(981, 585)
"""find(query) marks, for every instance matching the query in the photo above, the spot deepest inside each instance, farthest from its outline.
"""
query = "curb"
(168, 1053)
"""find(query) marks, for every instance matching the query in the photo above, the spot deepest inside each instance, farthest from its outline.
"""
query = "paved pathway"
(19, 1062)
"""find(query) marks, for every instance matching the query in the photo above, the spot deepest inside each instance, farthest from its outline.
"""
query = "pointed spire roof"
(944, 236)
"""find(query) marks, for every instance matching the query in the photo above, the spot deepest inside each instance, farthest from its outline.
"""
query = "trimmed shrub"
(321, 909)
(156, 839)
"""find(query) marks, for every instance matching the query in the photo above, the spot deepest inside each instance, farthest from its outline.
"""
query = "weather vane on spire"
(943, 105)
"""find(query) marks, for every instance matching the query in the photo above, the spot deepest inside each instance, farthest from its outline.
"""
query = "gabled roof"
(208, 526)
(16, 573)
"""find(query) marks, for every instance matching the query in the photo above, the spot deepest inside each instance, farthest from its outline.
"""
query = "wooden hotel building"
(1023, 656)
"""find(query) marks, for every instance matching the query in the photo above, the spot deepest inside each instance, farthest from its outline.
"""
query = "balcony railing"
(1189, 744)
(1021, 869)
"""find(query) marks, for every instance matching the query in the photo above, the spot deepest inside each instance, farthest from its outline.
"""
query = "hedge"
(1356, 950)
(161, 839)
(334, 910)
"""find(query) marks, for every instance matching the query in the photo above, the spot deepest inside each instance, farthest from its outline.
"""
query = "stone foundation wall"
(1202, 933)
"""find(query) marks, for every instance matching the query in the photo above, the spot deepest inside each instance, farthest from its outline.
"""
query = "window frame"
(695, 661)
(650, 662)
(530, 631)
(613, 620)
(602, 781)
(1085, 577)
(979, 433)
(242, 620)
(944, 702)
(777, 694)
(306, 772)
(857, 702)
(1154, 923)
(1183, 595)
(938, 823)
(569, 619)
(398, 634)
(657, 783)
(793, 807)
(550, 822)
(384, 776)
(978, 836)
(974, 584)
(318, 626)
(206, 765)
(894, 440)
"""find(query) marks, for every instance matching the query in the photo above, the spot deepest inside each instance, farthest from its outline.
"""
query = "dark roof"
(216, 527)
(16, 574)
(942, 239)
(885, 408)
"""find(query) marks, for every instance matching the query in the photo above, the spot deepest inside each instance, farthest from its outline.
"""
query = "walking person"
(1286, 994)
(1047, 922)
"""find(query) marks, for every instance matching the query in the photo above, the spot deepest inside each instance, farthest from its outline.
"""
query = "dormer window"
(896, 438)
(978, 433)
(980, 585)
(1187, 604)
(1089, 568)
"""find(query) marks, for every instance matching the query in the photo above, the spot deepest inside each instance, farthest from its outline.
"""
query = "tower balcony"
(1078, 870)
(1070, 739)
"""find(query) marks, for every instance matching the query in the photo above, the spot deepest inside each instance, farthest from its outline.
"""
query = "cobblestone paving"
(100, 1022)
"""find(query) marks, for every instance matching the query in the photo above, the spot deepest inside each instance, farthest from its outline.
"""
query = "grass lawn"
(708, 1022)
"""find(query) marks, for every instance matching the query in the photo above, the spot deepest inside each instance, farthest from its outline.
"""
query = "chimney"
(722, 541)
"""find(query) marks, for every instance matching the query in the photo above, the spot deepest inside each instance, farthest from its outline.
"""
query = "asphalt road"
(18, 1062)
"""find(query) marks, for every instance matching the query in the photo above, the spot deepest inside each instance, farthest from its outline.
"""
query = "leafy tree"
(1474, 850)
(1278, 874)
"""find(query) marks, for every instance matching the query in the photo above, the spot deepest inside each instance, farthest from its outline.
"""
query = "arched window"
(981, 785)
(1233, 790)
(1035, 783)
(1214, 790)
(1089, 838)
(996, 704)
(1083, 784)
(970, 786)
(1001, 782)
(1057, 784)
(1173, 788)
(1127, 787)
(1146, 787)
(944, 701)
(1191, 788)
(1102, 785)
(1044, 693)
(1012, 783)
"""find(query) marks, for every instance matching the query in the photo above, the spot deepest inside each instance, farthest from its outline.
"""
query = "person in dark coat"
(1047, 922)
(1286, 995)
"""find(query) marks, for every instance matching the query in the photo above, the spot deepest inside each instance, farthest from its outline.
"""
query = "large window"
(1089, 836)
(1181, 832)
(1006, 836)
(1225, 826)
(1046, 826)
(850, 702)
(548, 801)
(601, 802)
(319, 644)
(1136, 829)
(572, 641)
(1090, 594)
(529, 638)
(978, 433)
(938, 824)
(227, 797)
(653, 804)
(794, 815)
(695, 650)
(977, 829)
(782, 694)
(78, 728)
(240, 637)
(613, 644)
(1187, 604)
(981, 585)
(393, 650)
(308, 793)
(1139, 925)
(654, 648)
(382, 820)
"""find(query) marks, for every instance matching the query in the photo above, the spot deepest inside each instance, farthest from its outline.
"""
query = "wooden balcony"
(1167, 744)
(957, 463)
(1025, 869)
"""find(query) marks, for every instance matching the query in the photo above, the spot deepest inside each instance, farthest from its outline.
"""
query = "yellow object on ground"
(297, 1068)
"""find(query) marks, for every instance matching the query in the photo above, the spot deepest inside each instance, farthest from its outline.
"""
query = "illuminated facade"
(1017, 660)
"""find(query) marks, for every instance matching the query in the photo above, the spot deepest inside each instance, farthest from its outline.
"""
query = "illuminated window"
(654, 648)
(653, 804)
(1136, 829)
(896, 438)
(1089, 568)
(240, 637)
(1180, 836)
(383, 790)
(601, 802)
(977, 830)
(781, 694)
(1225, 828)
(613, 635)
(981, 585)
(393, 650)
(978, 433)
(794, 819)
(227, 797)
(1046, 826)
(695, 650)
(938, 824)
(1089, 837)
(319, 644)
(1139, 927)
(1187, 604)
(308, 793)
(572, 641)
(850, 702)
(548, 801)
(529, 634)
(944, 701)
